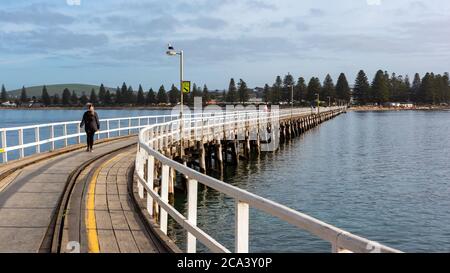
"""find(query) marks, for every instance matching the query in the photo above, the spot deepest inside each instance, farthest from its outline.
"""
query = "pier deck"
(31, 198)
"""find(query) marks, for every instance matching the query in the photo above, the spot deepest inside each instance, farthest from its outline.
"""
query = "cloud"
(51, 40)
(37, 15)
(207, 23)
(258, 4)
(316, 12)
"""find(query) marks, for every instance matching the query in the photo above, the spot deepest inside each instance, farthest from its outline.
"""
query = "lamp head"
(171, 51)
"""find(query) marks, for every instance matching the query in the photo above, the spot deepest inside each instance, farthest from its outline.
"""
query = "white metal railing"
(38, 135)
(155, 138)
(27, 137)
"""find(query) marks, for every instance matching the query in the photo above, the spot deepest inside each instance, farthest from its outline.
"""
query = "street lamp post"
(172, 52)
(318, 103)
(292, 97)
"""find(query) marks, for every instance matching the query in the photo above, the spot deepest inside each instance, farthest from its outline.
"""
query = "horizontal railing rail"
(154, 139)
(18, 139)
(22, 139)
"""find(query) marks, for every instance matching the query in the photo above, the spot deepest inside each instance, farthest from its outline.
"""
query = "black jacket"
(90, 122)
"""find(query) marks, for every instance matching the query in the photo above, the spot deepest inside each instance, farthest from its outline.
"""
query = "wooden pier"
(117, 198)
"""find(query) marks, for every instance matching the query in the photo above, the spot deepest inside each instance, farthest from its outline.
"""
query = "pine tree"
(93, 98)
(266, 93)
(342, 88)
(140, 96)
(23, 95)
(4, 95)
(56, 100)
(46, 100)
(243, 91)
(288, 83)
(362, 93)
(162, 95)
(84, 99)
(174, 94)
(108, 99)
(328, 89)
(102, 93)
(205, 95)
(66, 97)
(130, 96)
(232, 95)
(313, 89)
(124, 94)
(426, 92)
(394, 86)
(300, 90)
(151, 97)
(118, 96)
(400, 88)
(74, 98)
(276, 90)
(380, 87)
(415, 88)
(446, 87)
(409, 95)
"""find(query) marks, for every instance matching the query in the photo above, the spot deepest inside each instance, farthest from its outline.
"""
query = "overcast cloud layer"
(125, 40)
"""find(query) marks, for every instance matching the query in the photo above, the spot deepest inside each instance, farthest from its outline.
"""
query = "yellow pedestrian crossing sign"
(2, 150)
(186, 87)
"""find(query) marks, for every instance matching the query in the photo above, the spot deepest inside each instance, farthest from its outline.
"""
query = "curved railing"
(19, 142)
(153, 143)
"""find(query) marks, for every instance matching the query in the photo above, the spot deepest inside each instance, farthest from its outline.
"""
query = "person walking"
(91, 125)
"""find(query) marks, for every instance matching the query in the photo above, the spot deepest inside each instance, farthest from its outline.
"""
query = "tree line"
(122, 96)
(430, 89)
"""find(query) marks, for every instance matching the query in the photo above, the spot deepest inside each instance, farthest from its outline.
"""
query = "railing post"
(129, 125)
(139, 162)
(4, 145)
(164, 197)
(79, 134)
(107, 128)
(52, 136)
(192, 214)
(21, 150)
(242, 227)
(65, 134)
(118, 127)
(37, 140)
(150, 180)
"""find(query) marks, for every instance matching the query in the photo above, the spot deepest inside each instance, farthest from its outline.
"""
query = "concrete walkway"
(29, 201)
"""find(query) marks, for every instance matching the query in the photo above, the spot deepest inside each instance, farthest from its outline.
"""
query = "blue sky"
(49, 42)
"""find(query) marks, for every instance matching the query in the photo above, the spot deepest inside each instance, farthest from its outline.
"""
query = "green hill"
(58, 88)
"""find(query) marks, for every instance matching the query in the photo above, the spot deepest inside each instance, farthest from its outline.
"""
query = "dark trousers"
(90, 139)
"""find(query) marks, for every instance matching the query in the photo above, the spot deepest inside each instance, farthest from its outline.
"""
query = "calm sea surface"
(381, 175)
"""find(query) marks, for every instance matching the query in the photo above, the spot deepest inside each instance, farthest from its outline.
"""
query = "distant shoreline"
(97, 108)
(379, 109)
(353, 108)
